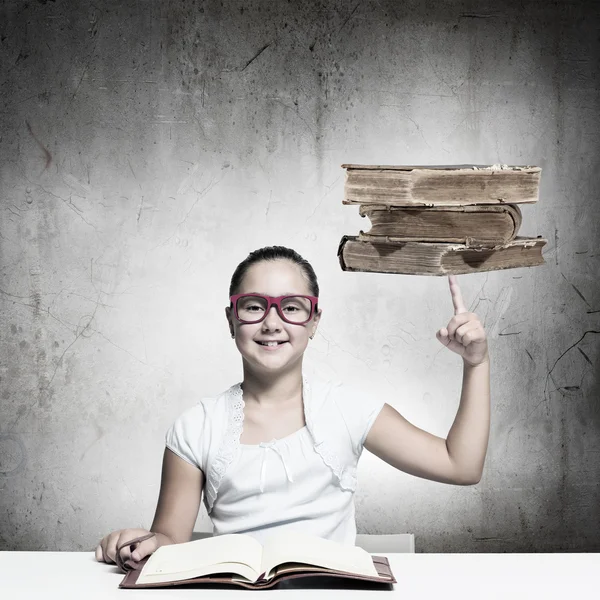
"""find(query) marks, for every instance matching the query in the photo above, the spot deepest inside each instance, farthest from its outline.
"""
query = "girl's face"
(273, 278)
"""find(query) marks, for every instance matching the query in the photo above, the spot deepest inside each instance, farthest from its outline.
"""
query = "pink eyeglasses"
(253, 308)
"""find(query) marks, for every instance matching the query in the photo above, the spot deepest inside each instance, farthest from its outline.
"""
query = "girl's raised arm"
(459, 458)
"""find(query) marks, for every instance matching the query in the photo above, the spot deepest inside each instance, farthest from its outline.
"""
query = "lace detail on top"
(229, 445)
(345, 476)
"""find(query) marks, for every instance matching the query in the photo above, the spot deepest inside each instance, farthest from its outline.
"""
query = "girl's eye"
(291, 309)
(253, 308)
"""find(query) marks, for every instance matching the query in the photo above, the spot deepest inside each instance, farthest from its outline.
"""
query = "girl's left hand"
(464, 334)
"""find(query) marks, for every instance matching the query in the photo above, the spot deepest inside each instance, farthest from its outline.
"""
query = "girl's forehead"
(275, 277)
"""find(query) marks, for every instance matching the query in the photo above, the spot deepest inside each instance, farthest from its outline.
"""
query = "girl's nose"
(273, 320)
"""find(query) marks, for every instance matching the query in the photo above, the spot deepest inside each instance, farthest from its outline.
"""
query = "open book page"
(233, 553)
(296, 547)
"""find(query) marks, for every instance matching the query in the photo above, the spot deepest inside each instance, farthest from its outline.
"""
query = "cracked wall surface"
(147, 147)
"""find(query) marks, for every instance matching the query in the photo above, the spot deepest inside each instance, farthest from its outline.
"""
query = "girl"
(279, 451)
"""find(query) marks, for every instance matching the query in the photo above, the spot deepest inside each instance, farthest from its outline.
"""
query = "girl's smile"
(271, 345)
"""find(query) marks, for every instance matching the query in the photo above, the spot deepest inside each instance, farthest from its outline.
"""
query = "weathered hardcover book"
(240, 560)
(440, 185)
(437, 258)
(470, 225)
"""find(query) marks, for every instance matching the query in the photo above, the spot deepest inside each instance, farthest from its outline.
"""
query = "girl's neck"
(267, 389)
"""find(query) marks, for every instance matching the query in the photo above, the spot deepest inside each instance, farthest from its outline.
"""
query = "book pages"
(232, 553)
(299, 548)
(242, 573)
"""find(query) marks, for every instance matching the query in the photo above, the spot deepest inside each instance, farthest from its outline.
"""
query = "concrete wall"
(146, 147)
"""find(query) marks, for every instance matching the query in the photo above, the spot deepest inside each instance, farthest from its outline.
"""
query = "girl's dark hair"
(273, 253)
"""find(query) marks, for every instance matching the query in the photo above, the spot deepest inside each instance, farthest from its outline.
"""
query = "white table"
(65, 575)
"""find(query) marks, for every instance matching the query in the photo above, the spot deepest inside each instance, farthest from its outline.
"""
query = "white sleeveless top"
(305, 481)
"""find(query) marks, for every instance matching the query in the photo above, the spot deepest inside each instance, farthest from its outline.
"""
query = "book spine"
(383, 257)
(428, 187)
(421, 258)
(470, 225)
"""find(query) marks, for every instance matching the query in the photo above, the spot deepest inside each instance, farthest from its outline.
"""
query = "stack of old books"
(440, 220)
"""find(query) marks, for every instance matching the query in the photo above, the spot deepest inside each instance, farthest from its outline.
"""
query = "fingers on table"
(106, 551)
(143, 549)
(126, 550)
(99, 555)
(130, 541)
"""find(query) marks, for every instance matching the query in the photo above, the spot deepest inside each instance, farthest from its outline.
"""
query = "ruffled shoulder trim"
(345, 474)
(230, 443)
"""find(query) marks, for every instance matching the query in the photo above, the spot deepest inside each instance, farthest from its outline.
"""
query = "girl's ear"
(229, 319)
(317, 317)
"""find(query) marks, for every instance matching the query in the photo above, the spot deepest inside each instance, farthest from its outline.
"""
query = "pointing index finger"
(457, 299)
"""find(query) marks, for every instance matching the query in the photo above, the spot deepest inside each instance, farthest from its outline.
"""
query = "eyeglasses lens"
(294, 308)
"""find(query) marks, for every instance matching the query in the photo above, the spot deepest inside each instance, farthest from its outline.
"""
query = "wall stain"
(13, 455)
(47, 154)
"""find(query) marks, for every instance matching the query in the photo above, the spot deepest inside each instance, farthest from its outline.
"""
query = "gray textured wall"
(146, 147)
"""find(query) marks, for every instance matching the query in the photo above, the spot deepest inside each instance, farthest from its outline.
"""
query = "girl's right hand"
(106, 551)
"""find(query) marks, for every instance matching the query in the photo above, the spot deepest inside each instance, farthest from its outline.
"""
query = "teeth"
(269, 343)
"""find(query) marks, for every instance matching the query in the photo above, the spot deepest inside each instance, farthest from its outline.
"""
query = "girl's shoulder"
(337, 409)
(202, 427)
(217, 406)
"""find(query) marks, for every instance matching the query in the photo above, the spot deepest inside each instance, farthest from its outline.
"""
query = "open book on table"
(241, 560)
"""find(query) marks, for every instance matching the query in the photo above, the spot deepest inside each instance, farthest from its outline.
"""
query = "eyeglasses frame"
(275, 301)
